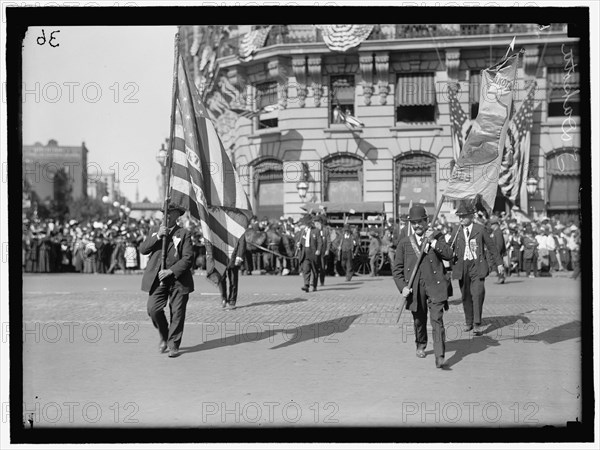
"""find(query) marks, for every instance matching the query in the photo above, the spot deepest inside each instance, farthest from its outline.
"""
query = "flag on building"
(513, 167)
(459, 121)
(203, 179)
(476, 172)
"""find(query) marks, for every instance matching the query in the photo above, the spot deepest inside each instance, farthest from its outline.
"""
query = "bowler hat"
(465, 209)
(417, 213)
(173, 207)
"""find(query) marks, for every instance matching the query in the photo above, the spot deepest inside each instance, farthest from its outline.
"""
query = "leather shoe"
(304, 288)
(467, 328)
(224, 303)
(477, 331)
(420, 353)
(314, 289)
(173, 352)
(231, 305)
(439, 362)
(162, 347)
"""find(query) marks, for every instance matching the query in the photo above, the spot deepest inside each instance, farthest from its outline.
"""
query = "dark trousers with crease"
(309, 272)
(436, 317)
(157, 300)
(472, 288)
(231, 275)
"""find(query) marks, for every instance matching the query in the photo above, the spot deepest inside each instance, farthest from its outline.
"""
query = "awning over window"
(266, 94)
(474, 87)
(416, 163)
(342, 88)
(562, 83)
(416, 90)
(565, 163)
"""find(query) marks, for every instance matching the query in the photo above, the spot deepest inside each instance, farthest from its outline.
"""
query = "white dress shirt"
(469, 254)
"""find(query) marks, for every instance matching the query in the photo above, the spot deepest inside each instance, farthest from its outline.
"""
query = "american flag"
(459, 122)
(516, 149)
(203, 180)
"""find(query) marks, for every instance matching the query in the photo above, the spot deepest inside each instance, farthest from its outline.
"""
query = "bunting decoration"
(252, 41)
(340, 38)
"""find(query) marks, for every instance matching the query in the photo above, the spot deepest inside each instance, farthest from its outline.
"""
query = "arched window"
(562, 180)
(343, 179)
(268, 189)
(415, 182)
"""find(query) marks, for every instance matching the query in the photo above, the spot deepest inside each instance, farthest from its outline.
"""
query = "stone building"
(278, 95)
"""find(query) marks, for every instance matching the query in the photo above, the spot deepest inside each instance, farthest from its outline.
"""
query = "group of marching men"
(421, 265)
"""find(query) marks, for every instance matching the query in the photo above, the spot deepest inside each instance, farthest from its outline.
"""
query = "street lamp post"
(161, 158)
(531, 186)
(302, 185)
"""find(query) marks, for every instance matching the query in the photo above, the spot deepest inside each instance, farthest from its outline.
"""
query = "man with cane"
(419, 275)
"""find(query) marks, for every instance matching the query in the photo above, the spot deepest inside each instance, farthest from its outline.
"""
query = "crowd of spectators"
(536, 248)
(92, 246)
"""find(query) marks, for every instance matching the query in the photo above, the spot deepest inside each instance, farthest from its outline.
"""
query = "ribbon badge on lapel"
(176, 241)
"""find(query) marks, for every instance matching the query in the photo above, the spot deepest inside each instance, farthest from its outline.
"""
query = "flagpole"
(510, 47)
(169, 160)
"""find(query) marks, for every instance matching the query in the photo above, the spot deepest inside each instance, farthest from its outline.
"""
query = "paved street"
(285, 357)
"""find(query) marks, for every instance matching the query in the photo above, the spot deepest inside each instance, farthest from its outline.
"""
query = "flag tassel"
(169, 160)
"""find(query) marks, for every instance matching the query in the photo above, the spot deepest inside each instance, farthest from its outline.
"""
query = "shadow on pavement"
(560, 333)
(299, 334)
(319, 330)
(334, 288)
(466, 347)
(276, 302)
(497, 322)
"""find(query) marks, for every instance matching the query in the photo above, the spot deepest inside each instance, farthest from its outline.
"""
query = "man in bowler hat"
(429, 290)
(172, 284)
(471, 267)
(310, 245)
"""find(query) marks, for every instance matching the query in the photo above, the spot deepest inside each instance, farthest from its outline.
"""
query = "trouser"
(472, 287)
(436, 318)
(348, 264)
(157, 300)
(373, 261)
(529, 264)
(322, 268)
(309, 272)
(231, 275)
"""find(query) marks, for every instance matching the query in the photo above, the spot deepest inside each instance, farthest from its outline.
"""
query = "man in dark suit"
(498, 237)
(172, 284)
(232, 274)
(322, 259)
(310, 245)
(471, 268)
(429, 289)
(348, 246)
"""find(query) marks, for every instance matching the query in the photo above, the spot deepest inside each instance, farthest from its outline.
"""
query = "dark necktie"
(468, 233)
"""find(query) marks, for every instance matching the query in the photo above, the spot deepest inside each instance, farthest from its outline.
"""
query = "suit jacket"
(483, 242)
(431, 269)
(316, 244)
(498, 238)
(180, 256)
(238, 252)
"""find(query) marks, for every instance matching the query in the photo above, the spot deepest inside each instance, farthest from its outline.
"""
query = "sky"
(109, 87)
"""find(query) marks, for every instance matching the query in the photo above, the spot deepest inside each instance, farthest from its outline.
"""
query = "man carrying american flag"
(201, 180)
